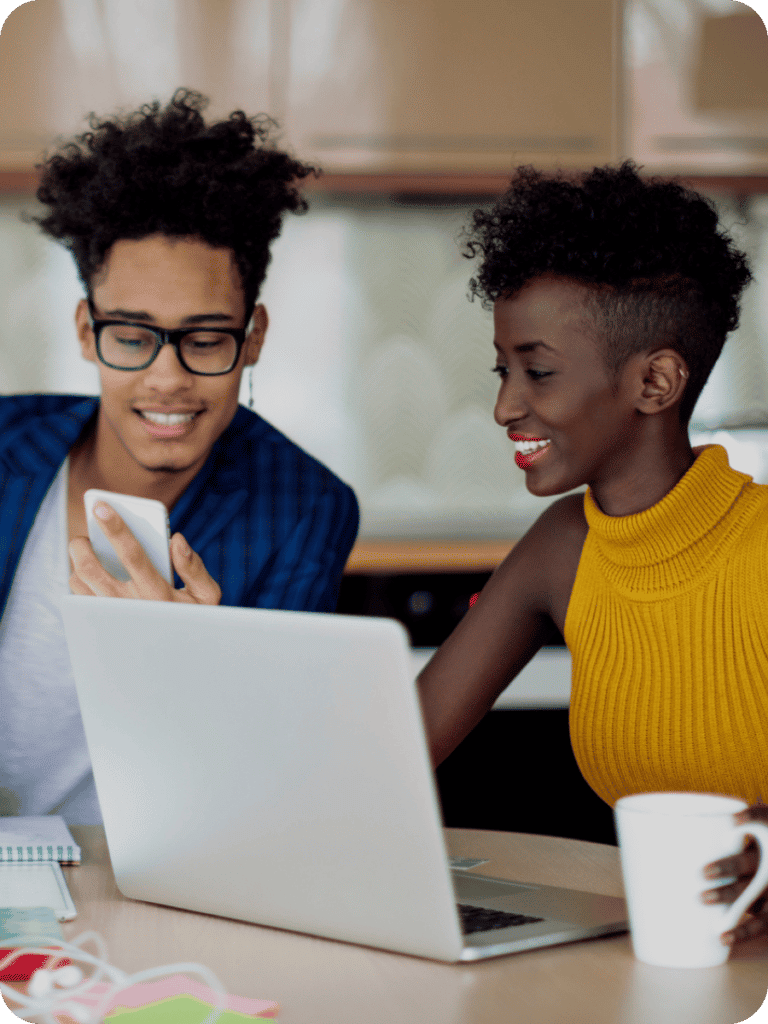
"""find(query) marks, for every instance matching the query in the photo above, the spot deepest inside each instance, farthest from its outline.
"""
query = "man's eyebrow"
(142, 317)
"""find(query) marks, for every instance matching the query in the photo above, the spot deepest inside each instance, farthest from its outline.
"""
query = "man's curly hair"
(164, 170)
(658, 270)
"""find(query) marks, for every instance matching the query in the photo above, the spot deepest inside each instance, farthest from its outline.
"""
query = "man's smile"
(174, 424)
(168, 417)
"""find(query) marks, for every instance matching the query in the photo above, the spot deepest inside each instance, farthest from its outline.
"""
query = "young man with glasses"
(169, 221)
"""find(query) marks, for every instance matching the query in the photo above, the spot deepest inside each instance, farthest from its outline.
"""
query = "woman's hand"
(89, 577)
(742, 866)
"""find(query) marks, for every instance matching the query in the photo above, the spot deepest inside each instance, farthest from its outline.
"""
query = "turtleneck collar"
(664, 546)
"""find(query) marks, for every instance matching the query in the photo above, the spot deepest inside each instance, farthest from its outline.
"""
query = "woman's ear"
(664, 378)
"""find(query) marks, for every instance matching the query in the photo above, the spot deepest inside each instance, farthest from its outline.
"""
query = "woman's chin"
(547, 488)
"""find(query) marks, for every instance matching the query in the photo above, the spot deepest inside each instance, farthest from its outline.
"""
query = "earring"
(250, 389)
(683, 373)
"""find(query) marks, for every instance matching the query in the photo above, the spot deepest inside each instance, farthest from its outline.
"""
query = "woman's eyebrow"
(530, 346)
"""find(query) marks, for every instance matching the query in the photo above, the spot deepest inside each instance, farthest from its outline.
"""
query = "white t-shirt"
(44, 762)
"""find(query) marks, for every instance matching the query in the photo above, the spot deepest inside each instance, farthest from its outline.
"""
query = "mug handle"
(759, 833)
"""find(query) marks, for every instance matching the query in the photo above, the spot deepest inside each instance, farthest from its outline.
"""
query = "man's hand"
(89, 577)
(742, 867)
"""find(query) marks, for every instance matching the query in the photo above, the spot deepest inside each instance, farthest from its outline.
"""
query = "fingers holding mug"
(737, 871)
(743, 866)
(663, 839)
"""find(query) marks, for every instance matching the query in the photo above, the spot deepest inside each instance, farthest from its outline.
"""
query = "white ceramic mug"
(666, 839)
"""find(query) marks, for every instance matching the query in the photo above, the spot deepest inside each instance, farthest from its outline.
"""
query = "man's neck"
(92, 467)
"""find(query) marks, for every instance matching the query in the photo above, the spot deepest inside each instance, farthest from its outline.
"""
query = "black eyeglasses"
(207, 351)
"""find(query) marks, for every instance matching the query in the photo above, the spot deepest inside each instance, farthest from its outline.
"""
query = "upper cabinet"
(697, 86)
(61, 59)
(410, 86)
(357, 85)
(446, 85)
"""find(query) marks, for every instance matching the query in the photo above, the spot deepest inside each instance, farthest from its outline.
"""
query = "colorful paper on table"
(178, 1010)
(36, 838)
(25, 965)
(147, 995)
(26, 926)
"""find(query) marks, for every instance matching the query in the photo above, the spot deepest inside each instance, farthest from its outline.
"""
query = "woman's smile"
(528, 451)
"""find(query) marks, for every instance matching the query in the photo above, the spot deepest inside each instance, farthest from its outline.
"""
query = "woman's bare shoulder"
(568, 513)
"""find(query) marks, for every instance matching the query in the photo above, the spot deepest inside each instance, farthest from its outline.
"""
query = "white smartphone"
(147, 520)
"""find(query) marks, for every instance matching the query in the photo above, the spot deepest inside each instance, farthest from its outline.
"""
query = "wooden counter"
(426, 556)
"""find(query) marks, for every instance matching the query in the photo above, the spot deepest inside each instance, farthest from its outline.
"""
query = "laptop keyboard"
(480, 919)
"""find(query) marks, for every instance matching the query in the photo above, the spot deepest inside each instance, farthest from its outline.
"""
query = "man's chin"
(164, 469)
(168, 458)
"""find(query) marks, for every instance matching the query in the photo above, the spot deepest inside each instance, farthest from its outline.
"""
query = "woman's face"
(555, 388)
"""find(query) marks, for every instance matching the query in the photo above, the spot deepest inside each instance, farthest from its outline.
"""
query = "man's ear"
(664, 377)
(257, 332)
(85, 332)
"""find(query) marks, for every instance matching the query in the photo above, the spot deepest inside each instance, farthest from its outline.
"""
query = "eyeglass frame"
(165, 337)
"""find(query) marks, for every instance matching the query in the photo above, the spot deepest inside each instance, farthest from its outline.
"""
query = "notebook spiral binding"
(25, 854)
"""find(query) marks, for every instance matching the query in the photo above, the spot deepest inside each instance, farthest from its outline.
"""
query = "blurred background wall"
(376, 361)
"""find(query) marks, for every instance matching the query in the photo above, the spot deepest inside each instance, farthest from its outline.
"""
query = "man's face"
(168, 283)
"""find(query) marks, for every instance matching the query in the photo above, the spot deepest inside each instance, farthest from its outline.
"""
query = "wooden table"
(317, 981)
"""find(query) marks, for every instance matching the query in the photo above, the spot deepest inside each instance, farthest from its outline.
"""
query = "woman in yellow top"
(612, 298)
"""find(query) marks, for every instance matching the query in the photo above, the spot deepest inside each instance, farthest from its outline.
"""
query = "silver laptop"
(272, 767)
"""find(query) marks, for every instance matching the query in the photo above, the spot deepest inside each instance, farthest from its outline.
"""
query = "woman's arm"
(511, 620)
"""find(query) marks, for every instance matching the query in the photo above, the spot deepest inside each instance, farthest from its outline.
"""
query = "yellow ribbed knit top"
(667, 626)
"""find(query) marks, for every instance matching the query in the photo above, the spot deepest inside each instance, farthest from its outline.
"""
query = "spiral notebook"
(37, 838)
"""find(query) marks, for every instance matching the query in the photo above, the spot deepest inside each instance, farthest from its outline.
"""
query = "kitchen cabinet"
(438, 86)
(696, 87)
(439, 96)
(443, 85)
(61, 59)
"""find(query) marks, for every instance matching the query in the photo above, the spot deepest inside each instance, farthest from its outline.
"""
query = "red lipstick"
(524, 460)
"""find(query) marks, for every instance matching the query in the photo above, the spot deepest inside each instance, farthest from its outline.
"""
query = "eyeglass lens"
(126, 346)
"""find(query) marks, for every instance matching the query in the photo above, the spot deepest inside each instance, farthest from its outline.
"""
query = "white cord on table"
(55, 991)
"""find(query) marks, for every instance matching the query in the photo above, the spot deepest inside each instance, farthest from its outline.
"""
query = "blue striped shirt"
(273, 526)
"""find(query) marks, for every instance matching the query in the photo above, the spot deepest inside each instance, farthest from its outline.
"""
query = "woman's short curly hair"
(164, 170)
(658, 270)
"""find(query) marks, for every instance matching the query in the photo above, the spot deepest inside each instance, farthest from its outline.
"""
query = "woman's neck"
(646, 475)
